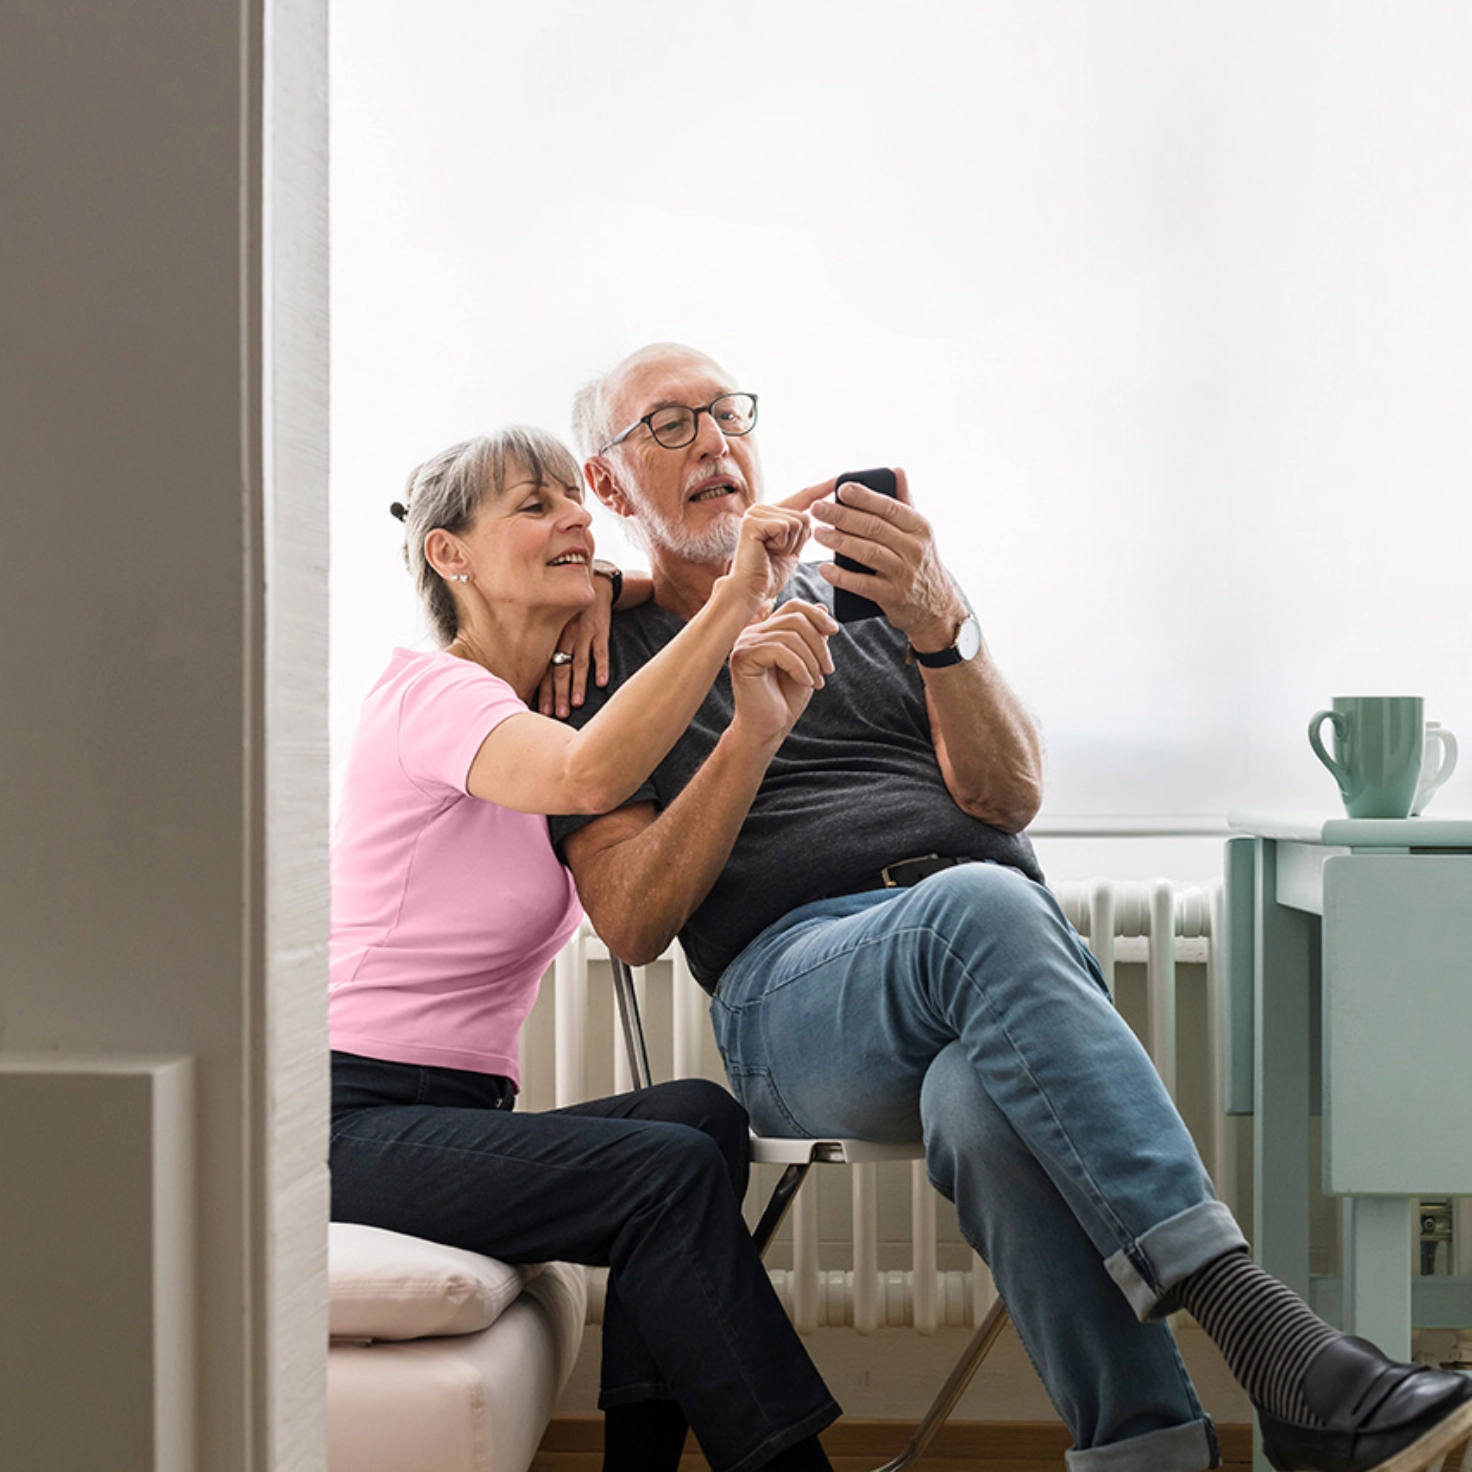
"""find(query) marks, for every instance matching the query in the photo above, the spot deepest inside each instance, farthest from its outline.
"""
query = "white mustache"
(711, 472)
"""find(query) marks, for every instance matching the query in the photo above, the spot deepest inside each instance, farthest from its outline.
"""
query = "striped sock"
(1267, 1334)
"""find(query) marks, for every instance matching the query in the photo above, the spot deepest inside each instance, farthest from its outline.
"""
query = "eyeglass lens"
(734, 414)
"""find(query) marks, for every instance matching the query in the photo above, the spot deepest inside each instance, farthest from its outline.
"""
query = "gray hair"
(449, 488)
(591, 426)
(591, 429)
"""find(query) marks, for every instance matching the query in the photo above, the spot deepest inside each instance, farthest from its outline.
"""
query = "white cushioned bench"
(442, 1360)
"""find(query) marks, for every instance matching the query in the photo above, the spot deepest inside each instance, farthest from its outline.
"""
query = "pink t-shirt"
(446, 909)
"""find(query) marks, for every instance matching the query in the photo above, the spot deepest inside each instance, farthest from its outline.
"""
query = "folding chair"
(798, 1156)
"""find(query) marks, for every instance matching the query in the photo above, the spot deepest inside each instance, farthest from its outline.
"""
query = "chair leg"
(945, 1401)
(778, 1204)
(776, 1209)
(628, 1011)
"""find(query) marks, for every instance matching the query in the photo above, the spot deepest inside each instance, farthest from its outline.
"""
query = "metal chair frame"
(799, 1156)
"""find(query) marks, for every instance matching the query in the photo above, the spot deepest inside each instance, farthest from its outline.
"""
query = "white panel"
(291, 1083)
(572, 1018)
(922, 1249)
(1160, 972)
(804, 1219)
(97, 1262)
(866, 1250)
(689, 1005)
(164, 362)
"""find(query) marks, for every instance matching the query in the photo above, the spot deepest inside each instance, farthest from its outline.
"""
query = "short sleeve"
(444, 716)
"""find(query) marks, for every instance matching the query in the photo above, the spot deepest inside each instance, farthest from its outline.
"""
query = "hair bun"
(398, 509)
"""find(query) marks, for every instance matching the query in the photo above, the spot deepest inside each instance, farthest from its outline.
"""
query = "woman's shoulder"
(426, 672)
(430, 712)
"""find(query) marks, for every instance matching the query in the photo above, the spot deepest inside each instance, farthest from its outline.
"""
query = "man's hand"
(775, 667)
(908, 582)
(986, 744)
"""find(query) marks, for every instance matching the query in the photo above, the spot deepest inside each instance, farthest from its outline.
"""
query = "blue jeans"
(967, 1012)
(647, 1184)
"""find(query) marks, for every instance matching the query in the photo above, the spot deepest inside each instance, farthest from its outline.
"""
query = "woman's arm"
(586, 639)
(536, 765)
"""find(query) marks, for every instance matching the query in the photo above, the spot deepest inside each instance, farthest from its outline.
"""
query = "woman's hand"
(585, 637)
(775, 667)
(771, 537)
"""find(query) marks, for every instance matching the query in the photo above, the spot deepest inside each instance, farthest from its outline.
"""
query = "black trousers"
(647, 1184)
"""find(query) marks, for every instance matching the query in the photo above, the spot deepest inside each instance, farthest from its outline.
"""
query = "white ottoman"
(443, 1360)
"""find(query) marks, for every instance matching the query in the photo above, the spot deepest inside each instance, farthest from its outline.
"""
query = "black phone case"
(849, 608)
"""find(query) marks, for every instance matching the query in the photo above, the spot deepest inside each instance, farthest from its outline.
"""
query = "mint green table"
(1388, 906)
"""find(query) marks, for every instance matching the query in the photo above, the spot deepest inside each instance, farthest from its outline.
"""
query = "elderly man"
(844, 862)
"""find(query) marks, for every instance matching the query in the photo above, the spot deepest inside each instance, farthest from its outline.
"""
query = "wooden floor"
(573, 1445)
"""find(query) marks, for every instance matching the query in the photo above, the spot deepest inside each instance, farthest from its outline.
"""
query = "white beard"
(717, 543)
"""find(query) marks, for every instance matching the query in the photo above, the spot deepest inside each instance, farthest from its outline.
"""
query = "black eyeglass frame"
(695, 414)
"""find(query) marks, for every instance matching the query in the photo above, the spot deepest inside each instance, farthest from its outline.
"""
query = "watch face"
(968, 641)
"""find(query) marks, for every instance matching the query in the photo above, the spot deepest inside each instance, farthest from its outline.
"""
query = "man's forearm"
(639, 885)
(987, 744)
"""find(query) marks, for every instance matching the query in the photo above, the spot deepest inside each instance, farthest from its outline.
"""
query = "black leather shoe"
(1379, 1416)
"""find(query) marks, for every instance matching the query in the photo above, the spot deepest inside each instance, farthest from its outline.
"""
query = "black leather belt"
(908, 872)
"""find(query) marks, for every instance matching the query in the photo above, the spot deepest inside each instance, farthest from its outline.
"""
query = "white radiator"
(572, 1050)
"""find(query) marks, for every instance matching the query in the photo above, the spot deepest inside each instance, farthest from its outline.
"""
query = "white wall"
(1164, 307)
(162, 679)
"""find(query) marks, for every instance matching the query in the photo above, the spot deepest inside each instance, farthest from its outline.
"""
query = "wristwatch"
(967, 645)
(602, 569)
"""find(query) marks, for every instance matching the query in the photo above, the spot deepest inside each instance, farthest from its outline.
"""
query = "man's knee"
(991, 895)
(981, 913)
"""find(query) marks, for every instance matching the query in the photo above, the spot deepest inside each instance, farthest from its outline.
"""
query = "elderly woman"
(448, 903)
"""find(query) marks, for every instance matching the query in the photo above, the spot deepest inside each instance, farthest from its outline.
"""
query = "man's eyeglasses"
(676, 425)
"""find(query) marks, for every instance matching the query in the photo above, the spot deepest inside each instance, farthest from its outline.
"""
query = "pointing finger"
(801, 500)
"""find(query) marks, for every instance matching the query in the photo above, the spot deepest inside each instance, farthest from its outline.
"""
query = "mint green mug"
(1379, 741)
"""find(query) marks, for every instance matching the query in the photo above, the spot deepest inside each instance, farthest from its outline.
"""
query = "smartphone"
(849, 608)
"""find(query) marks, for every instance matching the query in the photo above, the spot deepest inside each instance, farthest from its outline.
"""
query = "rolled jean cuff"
(1187, 1448)
(1152, 1265)
(778, 1441)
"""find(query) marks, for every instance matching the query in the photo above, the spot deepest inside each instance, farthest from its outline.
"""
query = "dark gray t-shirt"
(854, 787)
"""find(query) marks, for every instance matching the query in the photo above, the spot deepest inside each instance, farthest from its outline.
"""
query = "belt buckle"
(892, 883)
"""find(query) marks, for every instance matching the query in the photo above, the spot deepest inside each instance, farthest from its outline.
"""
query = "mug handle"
(1337, 721)
(1448, 765)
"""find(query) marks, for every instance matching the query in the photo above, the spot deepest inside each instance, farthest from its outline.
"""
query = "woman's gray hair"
(449, 488)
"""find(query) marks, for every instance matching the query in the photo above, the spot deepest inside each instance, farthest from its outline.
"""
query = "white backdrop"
(1164, 306)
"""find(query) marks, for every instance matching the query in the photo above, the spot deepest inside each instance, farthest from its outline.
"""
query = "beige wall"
(162, 605)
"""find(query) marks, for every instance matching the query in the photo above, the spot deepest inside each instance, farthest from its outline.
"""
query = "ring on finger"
(562, 657)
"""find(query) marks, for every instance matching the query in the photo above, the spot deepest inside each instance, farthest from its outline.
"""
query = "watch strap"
(966, 645)
(939, 659)
(614, 574)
